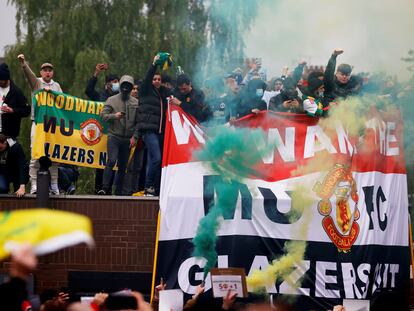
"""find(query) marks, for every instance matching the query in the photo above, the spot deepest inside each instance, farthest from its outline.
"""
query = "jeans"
(4, 183)
(152, 142)
(67, 177)
(117, 152)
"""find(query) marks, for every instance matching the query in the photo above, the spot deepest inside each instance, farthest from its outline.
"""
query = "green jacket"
(126, 127)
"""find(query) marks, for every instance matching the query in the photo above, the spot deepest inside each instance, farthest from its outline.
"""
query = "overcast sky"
(374, 34)
(7, 25)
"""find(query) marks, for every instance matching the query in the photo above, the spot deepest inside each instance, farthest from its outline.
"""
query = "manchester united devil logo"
(339, 186)
(91, 131)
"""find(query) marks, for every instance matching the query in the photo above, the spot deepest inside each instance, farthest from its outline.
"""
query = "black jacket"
(152, 104)
(13, 294)
(247, 104)
(335, 89)
(276, 103)
(95, 95)
(248, 100)
(10, 122)
(193, 104)
(13, 165)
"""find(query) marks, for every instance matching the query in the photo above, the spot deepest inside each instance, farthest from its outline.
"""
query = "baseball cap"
(46, 65)
(345, 69)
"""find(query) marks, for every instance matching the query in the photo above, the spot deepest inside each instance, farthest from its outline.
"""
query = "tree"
(227, 21)
(74, 35)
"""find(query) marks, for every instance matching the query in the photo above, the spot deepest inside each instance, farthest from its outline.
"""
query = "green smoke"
(231, 153)
(206, 237)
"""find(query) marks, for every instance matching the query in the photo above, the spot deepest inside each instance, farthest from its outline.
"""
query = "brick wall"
(124, 231)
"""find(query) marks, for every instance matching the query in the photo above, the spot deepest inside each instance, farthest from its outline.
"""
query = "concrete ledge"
(81, 197)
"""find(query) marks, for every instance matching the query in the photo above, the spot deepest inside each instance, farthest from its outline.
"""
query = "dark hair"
(3, 138)
(183, 79)
(345, 69)
(111, 77)
(157, 74)
(278, 79)
(315, 75)
(255, 84)
(48, 294)
(315, 81)
(166, 78)
(289, 83)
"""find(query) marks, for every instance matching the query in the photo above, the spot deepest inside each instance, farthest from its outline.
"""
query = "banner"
(355, 248)
(69, 129)
(45, 230)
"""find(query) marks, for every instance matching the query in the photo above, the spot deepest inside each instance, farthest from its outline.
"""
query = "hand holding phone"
(119, 114)
(121, 300)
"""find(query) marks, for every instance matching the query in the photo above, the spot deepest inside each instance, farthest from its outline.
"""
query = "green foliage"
(75, 35)
(225, 46)
(83, 71)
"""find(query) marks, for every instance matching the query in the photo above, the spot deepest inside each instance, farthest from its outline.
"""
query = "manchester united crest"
(340, 224)
(91, 132)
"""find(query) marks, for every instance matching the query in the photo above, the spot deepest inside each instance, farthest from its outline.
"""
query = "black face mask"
(126, 89)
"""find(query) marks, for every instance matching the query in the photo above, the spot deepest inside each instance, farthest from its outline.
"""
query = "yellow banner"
(69, 130)
(46, 230)
(69, 149)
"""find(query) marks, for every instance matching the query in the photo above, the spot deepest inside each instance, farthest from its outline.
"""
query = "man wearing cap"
(44, 82)
(111, 88)
(339, 84)
(13, 105)
(120, 113)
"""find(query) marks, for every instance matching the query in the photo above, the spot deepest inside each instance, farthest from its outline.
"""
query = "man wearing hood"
(13, 104)
(13, 167)
(313, 96)
(250, 99)
(288, 99)
(120, 113)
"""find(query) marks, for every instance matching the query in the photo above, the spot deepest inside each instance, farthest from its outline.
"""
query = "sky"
(373, 34)
(8, 25)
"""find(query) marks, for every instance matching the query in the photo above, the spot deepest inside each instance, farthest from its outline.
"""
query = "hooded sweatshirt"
(126, 127)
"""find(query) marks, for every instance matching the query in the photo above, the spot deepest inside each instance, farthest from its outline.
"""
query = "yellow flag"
(46, 230)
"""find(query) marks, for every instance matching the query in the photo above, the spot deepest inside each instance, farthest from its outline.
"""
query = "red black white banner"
(357, 248)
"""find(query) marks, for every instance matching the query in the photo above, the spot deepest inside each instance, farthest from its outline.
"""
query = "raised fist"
(21, 58)
(156, 57)
(337, 52)
(99, 68)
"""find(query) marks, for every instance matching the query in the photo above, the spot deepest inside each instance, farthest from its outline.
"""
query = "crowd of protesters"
(134, 112)
(14, 295)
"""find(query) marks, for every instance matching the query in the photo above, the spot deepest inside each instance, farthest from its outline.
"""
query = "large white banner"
(356, 247)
